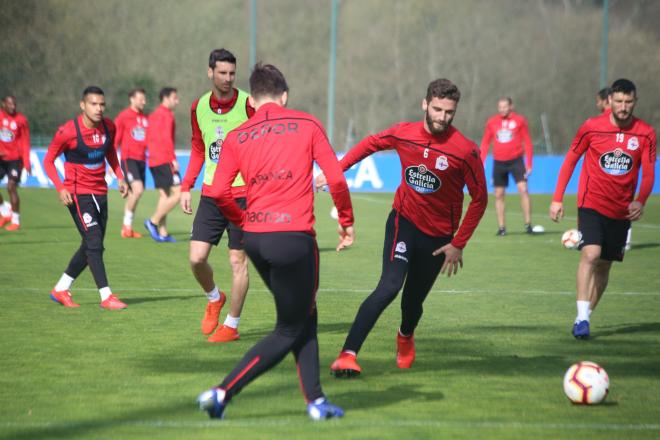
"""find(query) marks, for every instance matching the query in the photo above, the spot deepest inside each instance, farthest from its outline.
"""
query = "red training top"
(160, 136)
(198, 152)
(509, 135)
(274, 152)
(15, 138)
(434, 170)
(131, 134)
(80, 178)
(613, 157)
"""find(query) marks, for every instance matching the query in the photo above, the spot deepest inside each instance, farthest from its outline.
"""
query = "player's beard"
(622, 121)
(432, 128)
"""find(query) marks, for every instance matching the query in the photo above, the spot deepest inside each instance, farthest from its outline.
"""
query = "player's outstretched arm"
(453, 259)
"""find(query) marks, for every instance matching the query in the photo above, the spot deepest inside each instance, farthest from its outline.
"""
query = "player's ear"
(425, 105)
(82, 105)
(209, 73)
(251, 101)
(284, 98)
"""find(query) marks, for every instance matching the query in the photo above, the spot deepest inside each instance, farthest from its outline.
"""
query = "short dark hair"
(604, 93)
(137, 90)
(623, 85)
(507, 99)
(267, 80)
(165, 92)
(442, 88)
(221, 55)
(92, 90)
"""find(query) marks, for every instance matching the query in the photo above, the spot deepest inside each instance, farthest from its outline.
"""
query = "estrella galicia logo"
(422, 180)
(214, 150)
(616, 163)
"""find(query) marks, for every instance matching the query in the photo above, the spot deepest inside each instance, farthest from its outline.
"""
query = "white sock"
(105, 293)
(582, 311)
(128, 218)
(590, 312)
(402, 335)
(16, 218)
(213, 295)
(629, 237)
(350, 352)
(64, 283)
(5, 210)
(232, 322)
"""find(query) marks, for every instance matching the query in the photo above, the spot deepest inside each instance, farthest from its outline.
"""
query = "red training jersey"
(81, 178)
(274, 152)
(509, 135)
(197, 150)
(434, 170)
(160, 136)
(131, 134)
(15, 138)
(613, 157)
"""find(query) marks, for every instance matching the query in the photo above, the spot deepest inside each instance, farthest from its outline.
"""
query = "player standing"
(163, 164)
(14, 157)
(87, 142)
(212, 116)
(422, 233)
(274, 152)
(615, 146)
(131, 137)
(509, 134)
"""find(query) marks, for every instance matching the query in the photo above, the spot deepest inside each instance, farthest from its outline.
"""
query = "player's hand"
(346, 237)
(556, 211)
(528, 172)
(123, 188)
(453, 259)
(185, 202)
(175, 165)
(320, 182)
(65, 197)
(635, 211)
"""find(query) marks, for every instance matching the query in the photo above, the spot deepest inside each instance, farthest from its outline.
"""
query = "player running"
(509, 134)
(615, 146)
(274, 152)
(163, 164)
(87, 142)
(422, 233)
(14, 157)
(131, 137)
(212, 116)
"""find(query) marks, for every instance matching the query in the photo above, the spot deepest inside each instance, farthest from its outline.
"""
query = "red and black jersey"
(14, 137)
(274, 151)
(160, 137)
(434, 171)
(131, 134)
(509, 136)
(613, 157)
(86, 151)
(197, 150)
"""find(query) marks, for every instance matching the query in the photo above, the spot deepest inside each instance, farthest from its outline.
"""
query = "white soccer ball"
(586, 383)
(571, 238)
(334, 214)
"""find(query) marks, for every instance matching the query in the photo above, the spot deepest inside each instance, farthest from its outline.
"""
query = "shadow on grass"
(385, 397)
(627, 329)
(148, 299)
(39, 242)
(644, 246)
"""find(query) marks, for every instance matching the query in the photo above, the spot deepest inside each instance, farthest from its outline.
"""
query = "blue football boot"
(153, 230)
(209, 401)
(321, 409)
(581, 330)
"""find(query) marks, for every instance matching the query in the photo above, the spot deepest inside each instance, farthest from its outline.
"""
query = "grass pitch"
(492, 346)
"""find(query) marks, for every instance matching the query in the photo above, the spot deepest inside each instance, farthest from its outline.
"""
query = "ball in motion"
(571, 238)
(586, 383)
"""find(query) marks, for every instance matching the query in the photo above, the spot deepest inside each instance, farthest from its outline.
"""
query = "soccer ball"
(571, 238)
(586, 383)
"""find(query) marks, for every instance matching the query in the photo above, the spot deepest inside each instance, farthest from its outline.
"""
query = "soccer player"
(14, 157)
(422, 233)
(603, 100)
(508, 132)
(274, 152)
(212, 116)
(163, 164)
(131, 137)
(87, 142)
(615, 146)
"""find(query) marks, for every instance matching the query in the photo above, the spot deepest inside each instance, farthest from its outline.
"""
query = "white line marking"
(261, 422)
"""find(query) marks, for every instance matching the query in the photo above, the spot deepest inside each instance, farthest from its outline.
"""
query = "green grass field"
(492, 347)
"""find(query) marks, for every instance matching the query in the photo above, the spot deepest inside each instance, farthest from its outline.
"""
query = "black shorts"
(608, 233)
(134, 170)
(12, 169)
(210, 224)
(165, 177)
(502, 168)
(90, 213)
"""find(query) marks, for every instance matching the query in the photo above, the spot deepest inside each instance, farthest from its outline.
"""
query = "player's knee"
(238, 262)
(197, 260)
(590, 256)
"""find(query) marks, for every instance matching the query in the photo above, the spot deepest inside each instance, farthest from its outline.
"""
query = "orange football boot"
(112, 303)
(345, 365)
(128, 232)
(405, 350)
(212, 314)
(224, 334)
(12, 227)
(63, 297)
